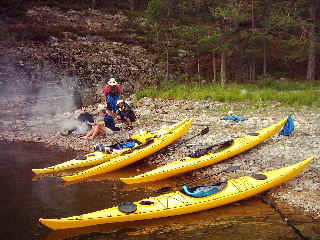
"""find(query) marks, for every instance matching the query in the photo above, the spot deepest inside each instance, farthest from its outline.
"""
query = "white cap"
(119, 101)
(112, 82)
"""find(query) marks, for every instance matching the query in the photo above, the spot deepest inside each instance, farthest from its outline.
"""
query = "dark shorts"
(128, 114)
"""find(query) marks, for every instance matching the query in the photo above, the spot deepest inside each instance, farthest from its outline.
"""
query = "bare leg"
(88, 134)
(98, 129)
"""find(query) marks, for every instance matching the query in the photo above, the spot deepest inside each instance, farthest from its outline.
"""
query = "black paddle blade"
(164, 189)
(204, 131)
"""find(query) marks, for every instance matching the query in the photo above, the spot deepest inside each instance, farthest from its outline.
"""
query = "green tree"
(225, 13)
(311, 70)
(210, 44)
(156, 14)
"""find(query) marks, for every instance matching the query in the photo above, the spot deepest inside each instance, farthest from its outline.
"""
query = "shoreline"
(302, 193)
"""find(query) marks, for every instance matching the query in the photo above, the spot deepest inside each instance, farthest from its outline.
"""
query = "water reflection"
(20, 201)
(27, 198)
(250, 219)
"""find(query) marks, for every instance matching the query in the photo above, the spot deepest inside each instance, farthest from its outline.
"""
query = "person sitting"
(85, 117)
(102, 127)
(125, 114)
(81, 123)
(112, 94)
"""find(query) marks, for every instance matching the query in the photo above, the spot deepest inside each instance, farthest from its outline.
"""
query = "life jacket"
(113, 91)
(107, 90)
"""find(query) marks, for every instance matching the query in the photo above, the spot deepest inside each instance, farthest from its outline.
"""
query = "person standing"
(112, 94)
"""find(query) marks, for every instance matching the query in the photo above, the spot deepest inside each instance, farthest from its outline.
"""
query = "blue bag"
(288, 128)
(234, 118)
(201, 191)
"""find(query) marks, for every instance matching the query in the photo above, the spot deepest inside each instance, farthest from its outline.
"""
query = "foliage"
(156, 10)
(273, 32)
(276, 36)
(267, 91)
(224, 11)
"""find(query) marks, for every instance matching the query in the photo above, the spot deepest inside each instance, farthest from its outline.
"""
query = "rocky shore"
(22, 121)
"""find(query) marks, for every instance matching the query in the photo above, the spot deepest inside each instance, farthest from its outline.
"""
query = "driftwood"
(175, 121)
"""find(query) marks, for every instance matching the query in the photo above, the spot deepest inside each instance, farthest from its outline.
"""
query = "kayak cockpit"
(203, 190)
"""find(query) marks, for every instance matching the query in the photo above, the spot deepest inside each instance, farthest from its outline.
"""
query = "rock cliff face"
(77, 51)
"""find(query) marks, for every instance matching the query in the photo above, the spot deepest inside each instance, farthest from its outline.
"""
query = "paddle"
(268, 201)
(203, 151)
(227, 170)
(203, 132)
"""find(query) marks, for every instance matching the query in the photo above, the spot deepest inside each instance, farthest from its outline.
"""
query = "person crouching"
(125, 114)
(107, 126)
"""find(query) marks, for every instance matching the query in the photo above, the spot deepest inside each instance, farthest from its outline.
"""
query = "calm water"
(24, 199)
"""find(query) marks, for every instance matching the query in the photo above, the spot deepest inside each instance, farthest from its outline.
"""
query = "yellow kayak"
(184, 201)
(234, 147)
(156, 141)
(86, 160)
(96, 157)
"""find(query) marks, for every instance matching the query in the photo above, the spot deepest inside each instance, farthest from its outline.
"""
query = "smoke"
(44, 100)
(73, 124)
(54, 98)
(56, 103)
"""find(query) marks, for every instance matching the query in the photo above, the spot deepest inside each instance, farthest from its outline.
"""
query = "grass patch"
(294, 94)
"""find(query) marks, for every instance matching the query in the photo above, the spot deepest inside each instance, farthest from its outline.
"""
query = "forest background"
(267, 42)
